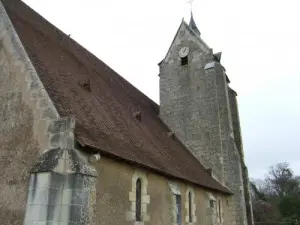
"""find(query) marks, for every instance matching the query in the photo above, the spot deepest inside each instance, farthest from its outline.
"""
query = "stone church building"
(81, 146)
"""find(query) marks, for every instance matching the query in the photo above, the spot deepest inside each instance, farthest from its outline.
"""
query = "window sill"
(138, 223)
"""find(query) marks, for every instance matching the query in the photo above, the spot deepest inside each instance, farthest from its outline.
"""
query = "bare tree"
(281, 180)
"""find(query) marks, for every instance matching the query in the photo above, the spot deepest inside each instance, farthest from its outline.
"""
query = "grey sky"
(260, 41)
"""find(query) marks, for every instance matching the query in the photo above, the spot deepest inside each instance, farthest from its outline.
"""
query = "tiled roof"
(103, 102)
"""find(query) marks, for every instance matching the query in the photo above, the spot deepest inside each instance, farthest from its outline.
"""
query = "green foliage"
(293, 220)
(289, 207)
(278, 198)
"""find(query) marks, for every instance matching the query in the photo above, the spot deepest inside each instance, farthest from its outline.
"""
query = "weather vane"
(191, 4)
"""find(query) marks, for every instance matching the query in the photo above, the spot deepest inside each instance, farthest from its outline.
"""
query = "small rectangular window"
(184, 60)
(178, 209)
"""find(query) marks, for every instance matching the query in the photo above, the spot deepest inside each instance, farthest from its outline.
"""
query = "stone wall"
(232, 160)
(55, 198)
(18, 152)
(36, 145)
(115, 196)
(19, 146)
(239, 145)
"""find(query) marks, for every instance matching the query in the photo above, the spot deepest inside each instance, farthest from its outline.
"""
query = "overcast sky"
(260, 41)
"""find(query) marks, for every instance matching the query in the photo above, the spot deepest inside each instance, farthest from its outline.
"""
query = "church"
(81, 146)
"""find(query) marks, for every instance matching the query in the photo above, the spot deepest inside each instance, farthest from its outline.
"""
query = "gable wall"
(29, 127)
(20, 145)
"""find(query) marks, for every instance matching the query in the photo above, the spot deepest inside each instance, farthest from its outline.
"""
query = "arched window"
(190, 207)
(138, 200)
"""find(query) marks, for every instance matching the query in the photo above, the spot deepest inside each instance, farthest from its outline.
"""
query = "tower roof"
(193, 25)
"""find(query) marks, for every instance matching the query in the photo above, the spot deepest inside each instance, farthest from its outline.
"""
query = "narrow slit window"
(138, 202)
(184, 60)
(219, 210)
(190, 207)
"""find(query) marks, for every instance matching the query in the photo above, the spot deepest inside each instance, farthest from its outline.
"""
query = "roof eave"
(94, 150)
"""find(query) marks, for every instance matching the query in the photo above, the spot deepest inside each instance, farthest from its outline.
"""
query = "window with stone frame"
(176, 204)
(219, 211)
(215, 212)
(190, 207)
(139, 199)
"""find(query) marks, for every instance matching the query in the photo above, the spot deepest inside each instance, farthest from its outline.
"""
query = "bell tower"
(189, 98)
(196, 103)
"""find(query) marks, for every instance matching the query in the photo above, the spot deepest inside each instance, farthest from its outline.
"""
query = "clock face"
(183, 52)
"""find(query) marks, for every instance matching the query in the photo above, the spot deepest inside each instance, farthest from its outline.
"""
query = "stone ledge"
(62, 161)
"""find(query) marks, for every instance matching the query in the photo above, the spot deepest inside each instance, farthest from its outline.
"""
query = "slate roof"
(217, 56)
(103, 102)
(193, 25)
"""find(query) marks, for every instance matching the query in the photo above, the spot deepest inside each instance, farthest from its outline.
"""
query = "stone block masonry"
(54, 198)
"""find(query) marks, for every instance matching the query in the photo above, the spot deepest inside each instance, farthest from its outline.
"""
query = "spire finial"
(192, 23)
(191, 4)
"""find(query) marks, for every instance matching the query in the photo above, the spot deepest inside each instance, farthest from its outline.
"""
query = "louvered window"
(184, 61)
